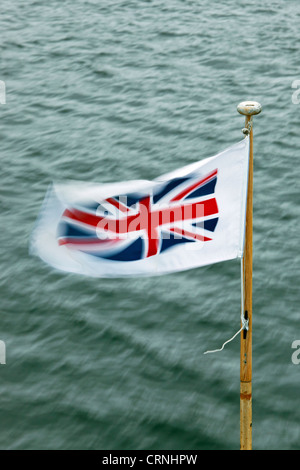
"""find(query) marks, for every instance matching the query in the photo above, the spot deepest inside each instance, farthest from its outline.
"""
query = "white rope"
(231, 339)
(245, 323)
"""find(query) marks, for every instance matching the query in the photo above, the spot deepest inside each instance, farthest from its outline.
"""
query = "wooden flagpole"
(248, 109)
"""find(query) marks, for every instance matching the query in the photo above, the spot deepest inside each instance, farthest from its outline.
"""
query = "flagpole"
(248, 109)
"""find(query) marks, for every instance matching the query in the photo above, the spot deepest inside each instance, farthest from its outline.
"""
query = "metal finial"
(249, 108)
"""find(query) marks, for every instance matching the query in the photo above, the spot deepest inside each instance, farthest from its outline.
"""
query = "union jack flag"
(193, 216)
(130, 227)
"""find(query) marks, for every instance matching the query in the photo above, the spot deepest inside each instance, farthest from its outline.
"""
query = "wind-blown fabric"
(189, 218)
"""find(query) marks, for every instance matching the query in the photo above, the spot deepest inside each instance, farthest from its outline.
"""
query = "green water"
(107, 91)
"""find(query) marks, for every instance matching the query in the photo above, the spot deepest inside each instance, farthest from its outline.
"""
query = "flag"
(185, 219)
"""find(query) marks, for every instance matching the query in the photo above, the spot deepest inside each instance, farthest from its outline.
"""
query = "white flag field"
(191, 217)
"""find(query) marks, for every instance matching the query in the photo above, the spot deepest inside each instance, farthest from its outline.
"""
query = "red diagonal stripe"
(83, 217)
(117, 204)
(86, 241)
(186, 233)
(191, 188)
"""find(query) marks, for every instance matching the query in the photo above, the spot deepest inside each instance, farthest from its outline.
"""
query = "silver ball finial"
(249, 108)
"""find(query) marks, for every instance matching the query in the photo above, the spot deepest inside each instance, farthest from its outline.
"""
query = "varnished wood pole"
(249, 109)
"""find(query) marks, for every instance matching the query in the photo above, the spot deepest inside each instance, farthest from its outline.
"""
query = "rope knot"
(245, 323)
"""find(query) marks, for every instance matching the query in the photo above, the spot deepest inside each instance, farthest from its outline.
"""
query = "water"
(108, 91)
